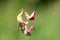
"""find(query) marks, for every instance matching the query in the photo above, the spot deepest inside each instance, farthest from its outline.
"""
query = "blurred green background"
(47, 20)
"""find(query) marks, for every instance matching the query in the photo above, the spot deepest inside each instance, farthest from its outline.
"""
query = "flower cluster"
(23, 24)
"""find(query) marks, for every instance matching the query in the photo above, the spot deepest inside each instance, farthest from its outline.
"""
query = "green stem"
(17, 33)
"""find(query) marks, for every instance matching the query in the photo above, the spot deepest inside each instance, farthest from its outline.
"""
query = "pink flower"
(31, 28)
(32, 16)
(28, 32)
(24, 23)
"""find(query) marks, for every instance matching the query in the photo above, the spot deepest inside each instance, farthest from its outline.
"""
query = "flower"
(19, 17)
(28, 32)
(32, 16)
(24, 23)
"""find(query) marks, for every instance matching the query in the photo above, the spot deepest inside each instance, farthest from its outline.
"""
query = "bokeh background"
(47, 22)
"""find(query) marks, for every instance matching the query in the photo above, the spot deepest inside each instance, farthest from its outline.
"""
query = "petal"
(31, 28)
(19, 17)
(25, 22)
(32, 16)
(27, 33)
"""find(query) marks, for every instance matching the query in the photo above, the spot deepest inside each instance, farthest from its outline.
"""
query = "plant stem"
(17, 33)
